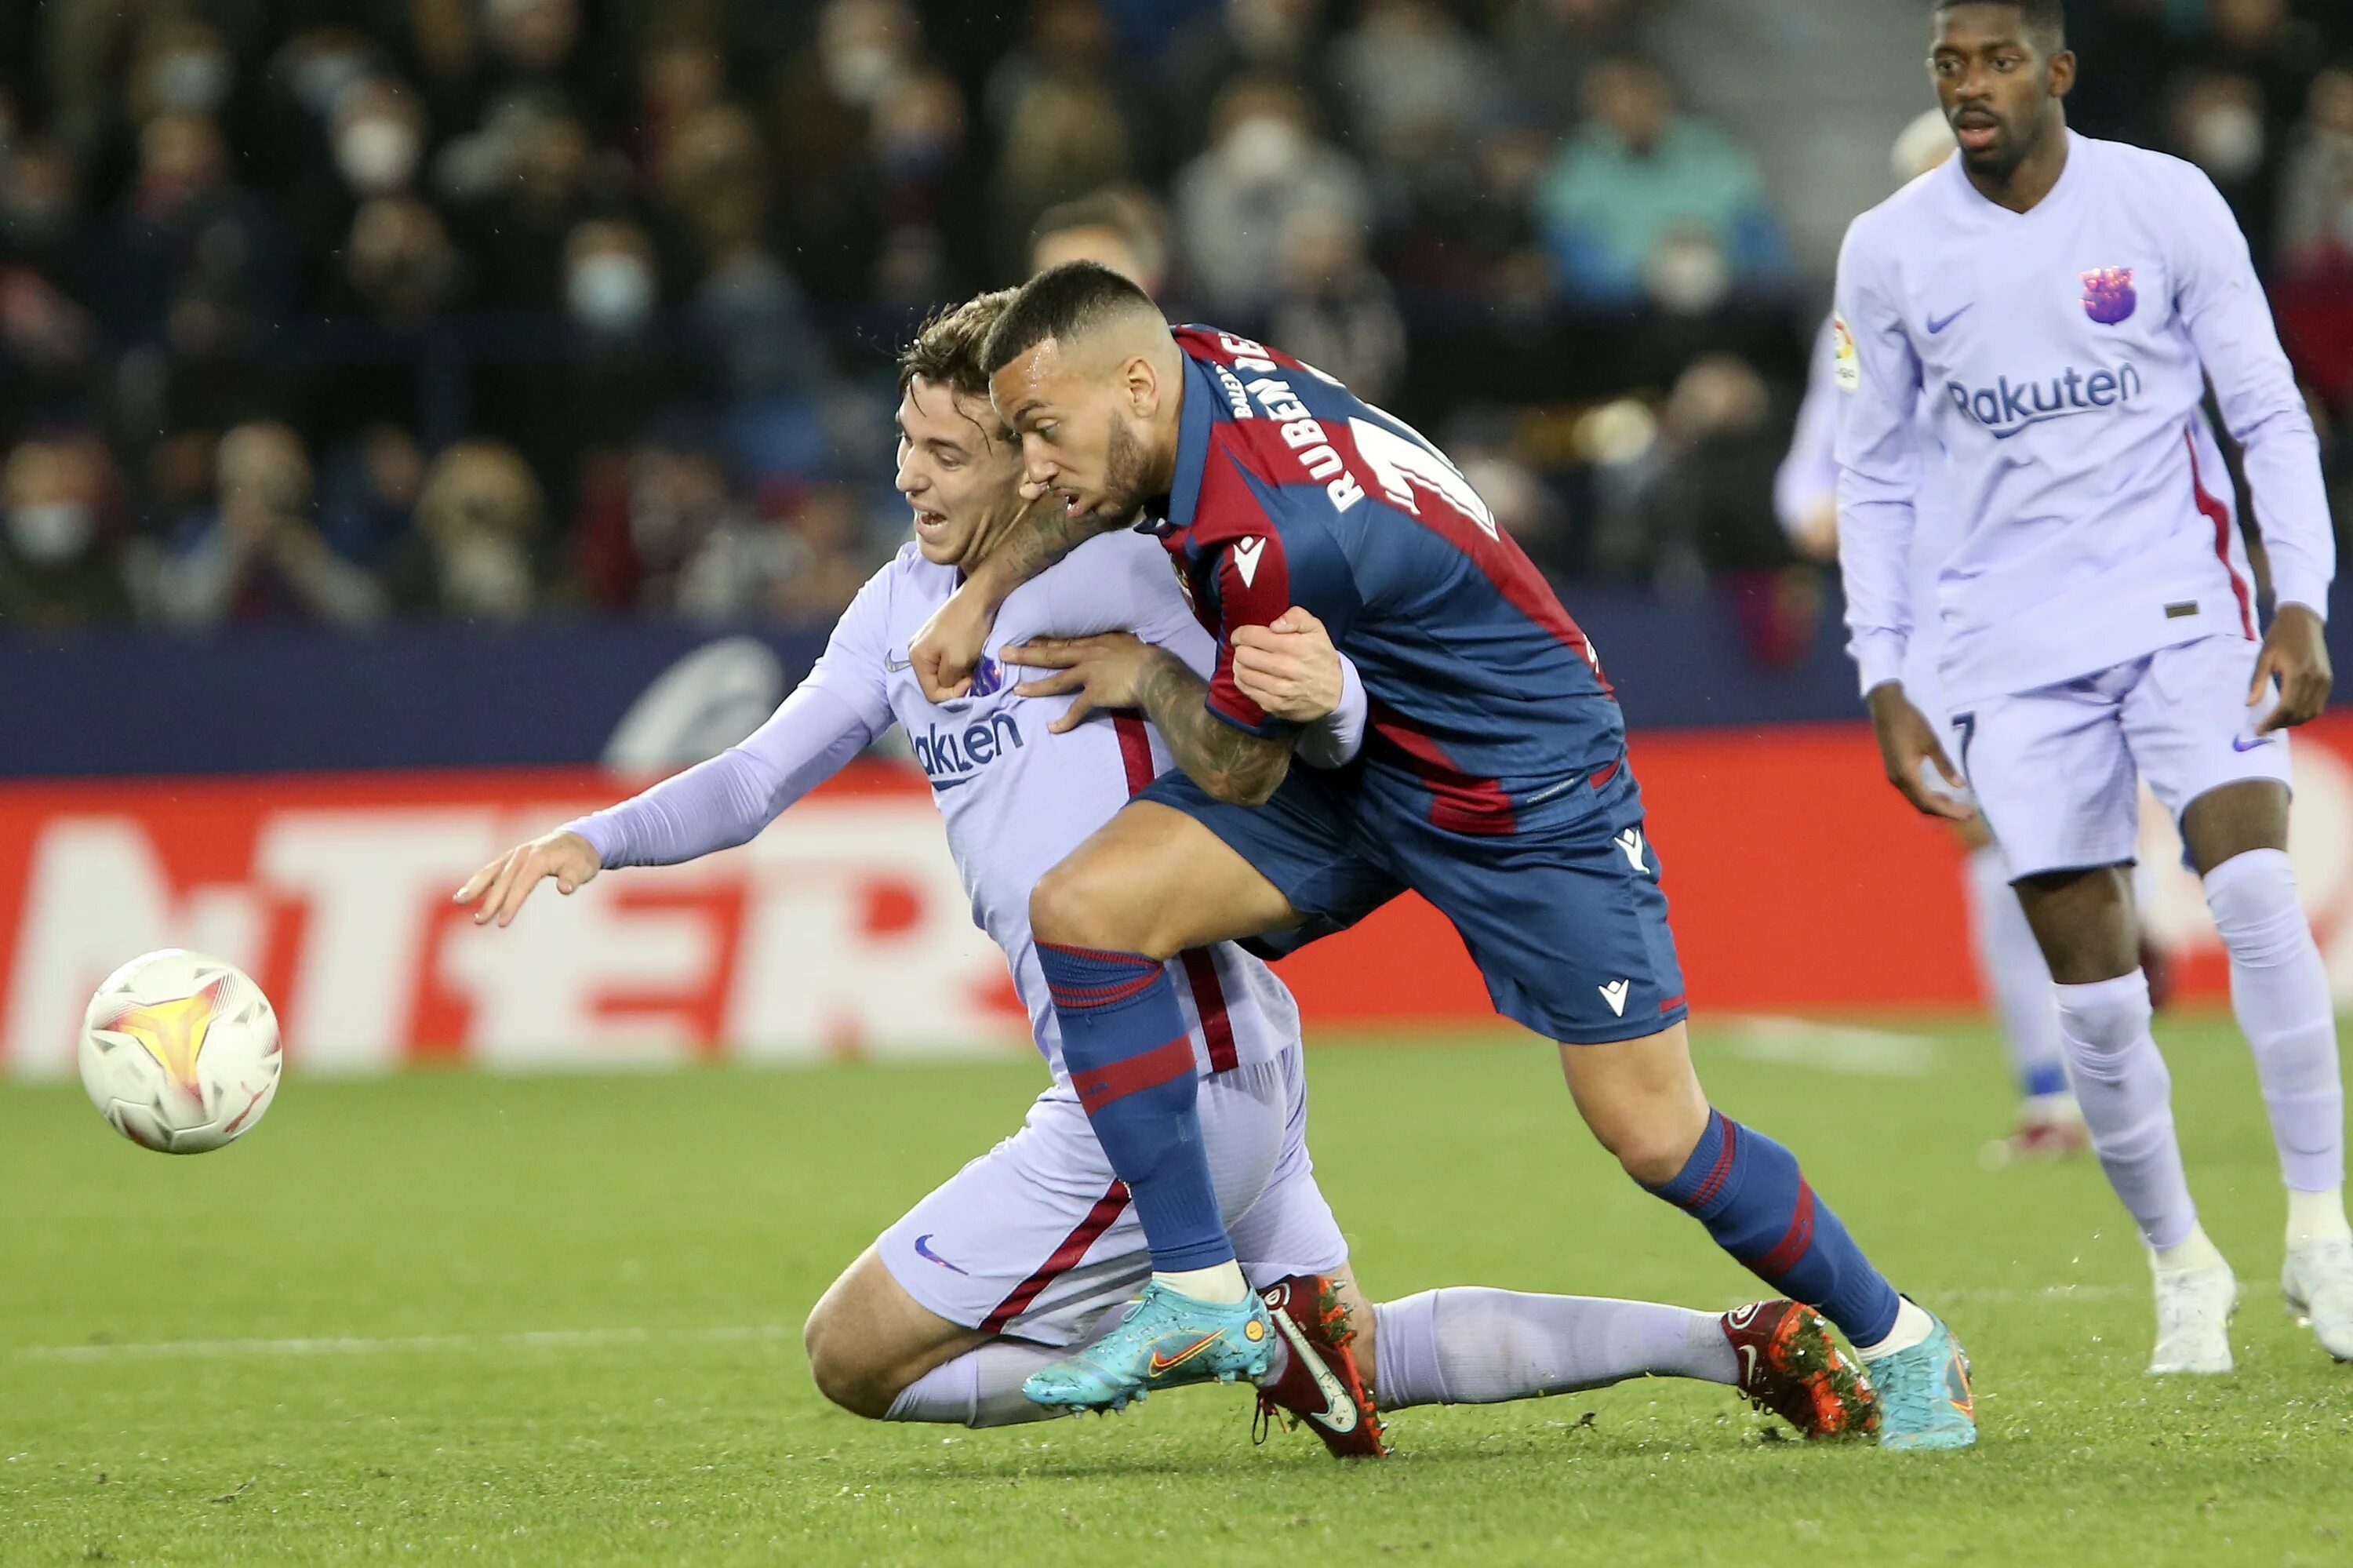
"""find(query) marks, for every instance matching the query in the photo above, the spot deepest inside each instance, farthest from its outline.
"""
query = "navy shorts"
(1564, 916)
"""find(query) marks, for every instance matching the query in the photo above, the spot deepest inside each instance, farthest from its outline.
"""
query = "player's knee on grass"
(844, 1365)
(867, 1339)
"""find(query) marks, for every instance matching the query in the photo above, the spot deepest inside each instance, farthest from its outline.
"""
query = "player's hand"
(1906, 740)
(1288, 668)
(947, 649)
(1102, 672)
(2295, 653)
(506, 882)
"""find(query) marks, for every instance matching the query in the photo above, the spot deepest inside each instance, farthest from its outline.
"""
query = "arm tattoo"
(1236, 766)
(1040, 537)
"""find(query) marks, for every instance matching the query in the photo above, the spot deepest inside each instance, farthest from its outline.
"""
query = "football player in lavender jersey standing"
(1020, 1255)
(2052, 307)
(2009, 963)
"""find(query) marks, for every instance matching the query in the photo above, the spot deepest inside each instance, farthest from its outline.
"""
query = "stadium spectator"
(926, 194)
(1121, 227)
(59, 563)
(192, 256)
(823, 97)
(1062, 132)
(477, 524)
(1277, 38)
(2316, 196)
(256, 556)
(1332, 309)
(800, 556)
(1547, 46)
(1416, 82)
(367, 494)
(1264, 166)
(1647, 189)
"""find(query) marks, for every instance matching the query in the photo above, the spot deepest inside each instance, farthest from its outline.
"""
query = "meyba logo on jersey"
(950, 757)
(2009, 407)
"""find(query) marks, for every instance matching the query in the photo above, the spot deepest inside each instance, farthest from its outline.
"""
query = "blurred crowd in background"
(341, 310)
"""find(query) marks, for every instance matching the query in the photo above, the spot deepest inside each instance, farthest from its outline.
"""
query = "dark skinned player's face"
(1999, 91)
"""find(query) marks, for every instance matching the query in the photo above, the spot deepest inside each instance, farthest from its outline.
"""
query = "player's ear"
(2062, 72)
(1141, 382)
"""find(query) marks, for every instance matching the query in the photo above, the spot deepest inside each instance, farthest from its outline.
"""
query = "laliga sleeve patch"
(1846, 368)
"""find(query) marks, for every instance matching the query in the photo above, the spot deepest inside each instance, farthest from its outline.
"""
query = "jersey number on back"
(1400, 462)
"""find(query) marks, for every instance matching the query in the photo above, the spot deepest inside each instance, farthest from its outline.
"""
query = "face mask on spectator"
(611, 292)
(487, 575)
(192, 80)
(1688, 275)
(858, 72)
(2226, 141)
(376, 154)
(1265, 147)
(49, 532)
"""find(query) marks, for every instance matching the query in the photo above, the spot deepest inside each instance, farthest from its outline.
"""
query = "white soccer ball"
(179, 1052)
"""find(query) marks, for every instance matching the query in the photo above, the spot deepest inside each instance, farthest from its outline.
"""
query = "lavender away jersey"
(1484, 696)
(1808, 476)
(2056, 354)
(1016, 799)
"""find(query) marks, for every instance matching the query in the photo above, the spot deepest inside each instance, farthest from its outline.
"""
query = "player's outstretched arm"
(506, 882)
(947, 649)
(1907, 747)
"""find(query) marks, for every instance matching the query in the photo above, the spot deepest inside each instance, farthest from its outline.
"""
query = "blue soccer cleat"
(1924, 1394)
(1163, 1340)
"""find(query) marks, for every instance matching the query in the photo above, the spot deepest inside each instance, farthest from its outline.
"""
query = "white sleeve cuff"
(1879, 657)
(2307, 589)
(1334, 740)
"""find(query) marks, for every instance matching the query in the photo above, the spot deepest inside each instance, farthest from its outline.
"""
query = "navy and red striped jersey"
(1290, 490)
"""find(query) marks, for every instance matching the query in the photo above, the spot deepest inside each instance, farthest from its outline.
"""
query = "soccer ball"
(179, 1052)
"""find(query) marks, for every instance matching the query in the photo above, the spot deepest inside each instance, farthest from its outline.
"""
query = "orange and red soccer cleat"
(1321, 1384)
(1791, 1365)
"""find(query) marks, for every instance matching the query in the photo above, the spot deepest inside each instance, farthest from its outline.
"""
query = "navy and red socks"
(1749, 1194)
(1131, 1060)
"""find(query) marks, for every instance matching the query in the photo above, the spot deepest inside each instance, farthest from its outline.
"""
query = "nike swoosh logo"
(922, 1250)
(1161, 1364)
(1339, 1410)
(1938, 323)
(893, 666)
(2238, 745)
(1747, 1364)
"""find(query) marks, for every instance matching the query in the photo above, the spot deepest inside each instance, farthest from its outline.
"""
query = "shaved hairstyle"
(1062, 303)
(2045, 20)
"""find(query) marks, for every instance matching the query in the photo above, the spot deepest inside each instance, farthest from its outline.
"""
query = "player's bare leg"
(2085, 923)
(1155, 881)
(1643, 1100)
(876, 1352)
(2237, 840)
(1150, 883)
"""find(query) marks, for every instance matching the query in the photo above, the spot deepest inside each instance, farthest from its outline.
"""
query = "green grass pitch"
(555, 1320)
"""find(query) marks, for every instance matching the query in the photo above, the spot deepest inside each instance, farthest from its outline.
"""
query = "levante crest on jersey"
(2108, 296)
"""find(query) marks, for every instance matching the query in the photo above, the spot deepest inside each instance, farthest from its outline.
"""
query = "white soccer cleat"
(2316, 1282)
(2194, 1320)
